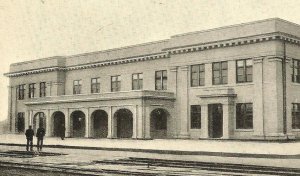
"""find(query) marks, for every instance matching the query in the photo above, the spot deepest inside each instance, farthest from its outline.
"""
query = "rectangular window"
(244, 116)
(42, 89)
(21, 92)
(77, 86)
(220, 73)
(116, 83)
(20, 122)
(195, 117)
(296, 116)
(296, 71)
(95, 85)
(161, 80)
(197, 75)
(137, 81)
(244, 70)
(31, 91)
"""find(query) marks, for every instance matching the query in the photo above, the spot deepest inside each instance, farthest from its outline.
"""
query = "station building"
(233, 82)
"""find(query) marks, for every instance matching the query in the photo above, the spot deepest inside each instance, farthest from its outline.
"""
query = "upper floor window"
(296, 116)
(31, 90)
(220, 71)
(296, 71)
(197, 75)
(244, 70)
(95, 85)
(116, 83)
(137, 81)
(77, 86)
(42, 89)
(195, 116)
(161, 80)
(244, 116)
(21, 91)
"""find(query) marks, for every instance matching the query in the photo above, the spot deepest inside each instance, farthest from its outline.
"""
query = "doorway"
(215, 120)
(124, 119)
(58, 122)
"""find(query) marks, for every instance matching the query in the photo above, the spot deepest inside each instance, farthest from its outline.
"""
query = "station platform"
(172, 146)
(218, 152)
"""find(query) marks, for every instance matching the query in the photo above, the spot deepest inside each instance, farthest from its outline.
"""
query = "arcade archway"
(78, 124)
(99, 121)
(58, 123)
(124, 122)
(159, 123)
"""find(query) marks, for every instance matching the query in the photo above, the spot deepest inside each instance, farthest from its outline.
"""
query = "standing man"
(29, 136)
(40, 137)
(62, 132)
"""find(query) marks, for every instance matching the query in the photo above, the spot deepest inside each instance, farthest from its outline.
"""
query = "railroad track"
(152, 167)
(221, 167)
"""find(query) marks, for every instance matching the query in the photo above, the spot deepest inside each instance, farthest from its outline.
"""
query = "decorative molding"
(258, 60)
(35, 71)
(91, 65)
(234, 42)
(99, 99)
(217, 95)
(275, 58)
(185, 68)
(167, 52)
(120, 61)
(174, 69)
(57, 83)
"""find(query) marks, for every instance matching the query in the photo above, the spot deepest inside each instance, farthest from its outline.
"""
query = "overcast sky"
(42, 28)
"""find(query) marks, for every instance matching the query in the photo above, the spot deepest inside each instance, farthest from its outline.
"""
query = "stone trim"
(35, 71)
(217, 95)
(170, 51)
(119, 61)
(90, 65)
(100, 99)
(234, 42)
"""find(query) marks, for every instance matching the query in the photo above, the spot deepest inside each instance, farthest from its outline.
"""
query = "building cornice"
(90, 65)
(34, 71)
(275, 36)
(233, 42)
(119, 61)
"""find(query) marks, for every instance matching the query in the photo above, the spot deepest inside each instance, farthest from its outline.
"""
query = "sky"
(43, 28)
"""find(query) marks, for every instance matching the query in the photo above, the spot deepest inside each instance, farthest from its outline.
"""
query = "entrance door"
(215, 120)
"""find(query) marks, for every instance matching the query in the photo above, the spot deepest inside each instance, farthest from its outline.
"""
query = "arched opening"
(159, 123)
(124, 121)
(99, 124)
(78, 124)
(58, 123)
(39, 120)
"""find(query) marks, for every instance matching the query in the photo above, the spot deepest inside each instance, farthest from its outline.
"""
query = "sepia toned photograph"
(150, 87)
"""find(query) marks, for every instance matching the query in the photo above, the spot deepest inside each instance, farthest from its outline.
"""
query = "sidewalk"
(171, 146)
(255, 153)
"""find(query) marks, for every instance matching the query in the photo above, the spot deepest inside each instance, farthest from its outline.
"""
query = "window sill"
(295, 84)
(244, 130)
(214, 86)
(295, 130)
(195, 129)
(245, 84)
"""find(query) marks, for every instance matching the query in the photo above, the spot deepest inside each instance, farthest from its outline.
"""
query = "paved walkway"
(177, 145)
(236, 152)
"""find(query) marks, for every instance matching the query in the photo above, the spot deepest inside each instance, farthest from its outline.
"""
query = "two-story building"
(233, 82)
